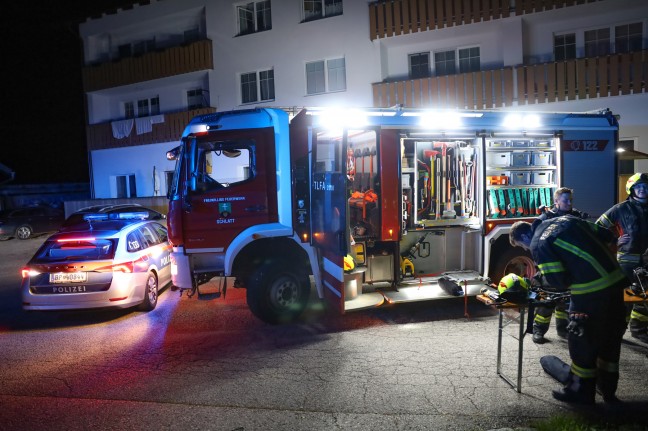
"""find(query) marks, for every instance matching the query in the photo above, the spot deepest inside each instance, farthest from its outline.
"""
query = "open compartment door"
(329, 226)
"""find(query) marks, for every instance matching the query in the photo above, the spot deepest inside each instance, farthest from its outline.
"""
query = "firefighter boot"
(577, 391)
(606, 384)
(638, 327)
(541, 322)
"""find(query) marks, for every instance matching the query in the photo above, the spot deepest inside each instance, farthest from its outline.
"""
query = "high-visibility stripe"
(551, 267)
(561, 314)
(628, 257)
(581, 254)
(638, 316)
(598, 284)
(583, 373)
(542, 319)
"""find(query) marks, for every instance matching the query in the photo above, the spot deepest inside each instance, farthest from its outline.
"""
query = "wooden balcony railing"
(154, 65)
(100, 136)
(579, 79)
(395, 17)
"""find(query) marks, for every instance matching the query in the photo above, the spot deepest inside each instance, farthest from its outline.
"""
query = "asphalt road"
(208, 364)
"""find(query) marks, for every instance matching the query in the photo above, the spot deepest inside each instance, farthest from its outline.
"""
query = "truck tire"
(507, 262)
(276, 293)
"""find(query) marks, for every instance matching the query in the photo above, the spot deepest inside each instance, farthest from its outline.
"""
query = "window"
(325, 76)
(316, 9)
(195, 99)
(266, 82)
(597, 42)
(419, 65)
(627, 38)
(126, 186)
(254, 17)
(565, 47)
(129, 110)
(444, 63)
(469, 60)
(224, 164)
(154, 105)
(254, 84)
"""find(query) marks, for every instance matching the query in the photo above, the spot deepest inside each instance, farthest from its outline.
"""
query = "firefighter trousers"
(595, 354)
(542, 319)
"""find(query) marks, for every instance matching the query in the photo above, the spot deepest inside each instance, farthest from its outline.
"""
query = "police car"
(106, 261)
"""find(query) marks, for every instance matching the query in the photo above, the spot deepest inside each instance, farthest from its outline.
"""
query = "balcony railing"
(101, 136)
(585, 78)
(154, 65)
(395, 17)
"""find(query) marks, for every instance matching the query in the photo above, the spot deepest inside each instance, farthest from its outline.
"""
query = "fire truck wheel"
(514, 259)
(276, 293)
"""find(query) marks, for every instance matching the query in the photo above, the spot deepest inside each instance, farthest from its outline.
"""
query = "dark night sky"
(43, 121)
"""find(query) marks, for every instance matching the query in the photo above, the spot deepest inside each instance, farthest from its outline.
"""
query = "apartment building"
(151, 67)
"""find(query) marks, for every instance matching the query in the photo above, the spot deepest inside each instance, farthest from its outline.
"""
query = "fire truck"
(372, 206)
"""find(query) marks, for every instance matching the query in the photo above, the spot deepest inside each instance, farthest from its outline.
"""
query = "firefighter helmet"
(637, 178)
(514, 288)
(349, 263)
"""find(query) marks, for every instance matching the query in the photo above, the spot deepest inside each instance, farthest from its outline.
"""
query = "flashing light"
(441, 120)
(519, 121)
(305, 237)
(84, 239)
(338, 119)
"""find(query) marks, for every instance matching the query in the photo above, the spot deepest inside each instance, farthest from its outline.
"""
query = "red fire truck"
(372, 206)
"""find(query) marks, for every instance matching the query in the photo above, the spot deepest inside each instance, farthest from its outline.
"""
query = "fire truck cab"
(370, 206)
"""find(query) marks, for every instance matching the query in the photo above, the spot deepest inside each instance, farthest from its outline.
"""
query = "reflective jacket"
(572, 254)
(629, 217)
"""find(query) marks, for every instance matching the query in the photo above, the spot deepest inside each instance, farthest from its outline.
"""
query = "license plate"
(68, 277)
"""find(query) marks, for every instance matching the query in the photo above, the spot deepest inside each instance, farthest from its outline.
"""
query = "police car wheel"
(150, 294)
(277, 294)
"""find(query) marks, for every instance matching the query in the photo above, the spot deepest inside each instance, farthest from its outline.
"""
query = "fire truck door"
(329, 226)
(234, 188)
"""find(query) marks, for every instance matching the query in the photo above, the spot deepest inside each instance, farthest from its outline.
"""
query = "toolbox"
(541, 177)
(521, 159)
(498, 159)
(520, 178)
(541, 159)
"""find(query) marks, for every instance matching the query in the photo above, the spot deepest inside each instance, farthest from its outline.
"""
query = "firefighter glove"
(577, 322)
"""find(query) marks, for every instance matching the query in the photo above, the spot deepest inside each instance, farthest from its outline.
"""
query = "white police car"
(107, 261)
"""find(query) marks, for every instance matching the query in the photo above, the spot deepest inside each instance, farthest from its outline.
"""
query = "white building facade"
(150, 68)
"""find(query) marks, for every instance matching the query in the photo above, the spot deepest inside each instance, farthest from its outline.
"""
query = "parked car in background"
(116, 260)
(77, 216)
(23, 223)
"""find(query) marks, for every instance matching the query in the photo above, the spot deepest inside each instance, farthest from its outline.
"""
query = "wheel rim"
(23, 232)
(151, 289)
(284, 292)
(513, 265)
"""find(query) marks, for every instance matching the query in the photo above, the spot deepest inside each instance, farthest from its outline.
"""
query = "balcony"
(101, 136)
(160, 64)
(584, 78)
(396, 17)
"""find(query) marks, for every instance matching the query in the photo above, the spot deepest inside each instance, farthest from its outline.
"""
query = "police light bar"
(95, 217)
(137, 215)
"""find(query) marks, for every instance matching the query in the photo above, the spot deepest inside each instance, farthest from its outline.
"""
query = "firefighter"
(563, 198)
(573, 255)
(628, 220)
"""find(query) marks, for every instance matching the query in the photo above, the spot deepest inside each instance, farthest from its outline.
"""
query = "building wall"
(139, 161)
(290, 44)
